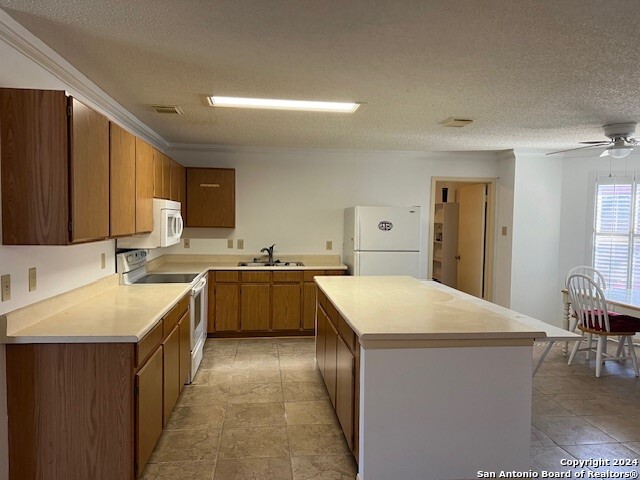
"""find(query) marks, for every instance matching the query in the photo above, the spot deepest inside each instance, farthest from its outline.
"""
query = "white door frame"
(492, 212)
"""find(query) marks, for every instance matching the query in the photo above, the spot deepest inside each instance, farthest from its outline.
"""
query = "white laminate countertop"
(120, 314)
(403, 308)
(197, 267)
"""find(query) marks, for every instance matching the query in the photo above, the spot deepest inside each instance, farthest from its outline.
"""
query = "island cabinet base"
(444, 413)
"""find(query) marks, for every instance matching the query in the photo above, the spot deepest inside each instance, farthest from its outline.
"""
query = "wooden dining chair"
(594, 319)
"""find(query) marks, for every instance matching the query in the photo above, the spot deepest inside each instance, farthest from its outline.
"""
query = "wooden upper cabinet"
(122, 182)
(166, 177)
(177, 181)
(55, 169)
(183, 191)
(144, 187)
(89, 174)
(211, 197)
(158, 160)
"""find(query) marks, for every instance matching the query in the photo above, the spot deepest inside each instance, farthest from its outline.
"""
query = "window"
(616, 231)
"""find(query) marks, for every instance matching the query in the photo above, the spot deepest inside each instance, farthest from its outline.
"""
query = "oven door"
(198, 312)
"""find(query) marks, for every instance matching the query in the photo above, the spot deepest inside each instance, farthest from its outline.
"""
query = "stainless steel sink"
(277, 263)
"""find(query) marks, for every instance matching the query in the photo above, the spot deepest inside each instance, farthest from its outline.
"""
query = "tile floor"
(258, 410)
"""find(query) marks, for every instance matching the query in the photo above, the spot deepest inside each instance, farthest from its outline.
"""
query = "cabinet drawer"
(255, 277)
(309, 274)
(332, 313)
(334, 272)
(346, 333)
(172, 318)
(148, 344)
(229, 277)
(290, 276)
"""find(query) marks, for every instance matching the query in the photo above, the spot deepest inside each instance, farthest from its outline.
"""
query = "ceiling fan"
(621, 141)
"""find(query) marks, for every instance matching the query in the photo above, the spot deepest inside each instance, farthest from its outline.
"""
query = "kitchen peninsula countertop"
(405, 309)
(103, 312)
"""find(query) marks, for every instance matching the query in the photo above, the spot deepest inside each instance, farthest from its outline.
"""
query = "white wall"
(296, 199)
(536, 236)
(504, 218)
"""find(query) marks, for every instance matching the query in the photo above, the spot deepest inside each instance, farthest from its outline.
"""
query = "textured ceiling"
(531, 74)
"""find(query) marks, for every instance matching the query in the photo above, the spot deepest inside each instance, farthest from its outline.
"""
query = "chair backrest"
(587, 271)
(588, 302)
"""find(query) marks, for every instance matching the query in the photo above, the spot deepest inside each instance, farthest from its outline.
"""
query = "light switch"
(329, 245)
(230, 243)
(32, 279)
(504, 231)
(187, 243)
(240, 244)
(5, 286)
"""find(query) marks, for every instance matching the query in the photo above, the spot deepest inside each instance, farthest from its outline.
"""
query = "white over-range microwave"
(167, 227)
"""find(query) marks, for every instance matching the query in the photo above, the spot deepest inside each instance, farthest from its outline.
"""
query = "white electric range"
(132, 266)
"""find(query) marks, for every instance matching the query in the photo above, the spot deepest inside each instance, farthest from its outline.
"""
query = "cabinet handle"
(209, 185)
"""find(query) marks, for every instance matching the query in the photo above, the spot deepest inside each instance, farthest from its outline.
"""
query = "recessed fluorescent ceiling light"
(273, 104)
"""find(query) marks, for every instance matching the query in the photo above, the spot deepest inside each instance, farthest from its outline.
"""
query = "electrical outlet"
(5, 286)
(187, 243)
(329, 245)
(504, 231)
(240, 244)
(32, 279)
(103, 261)
(230, 243)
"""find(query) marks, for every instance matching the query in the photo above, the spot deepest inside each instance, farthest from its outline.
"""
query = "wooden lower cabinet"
(345, 389)
(227, 302)
(255, 307)
(286, 311)
(185, 349)
(171, 372)
(321, 338)
(263, 302)
(149, 415)
(330, 359)
(338, 358)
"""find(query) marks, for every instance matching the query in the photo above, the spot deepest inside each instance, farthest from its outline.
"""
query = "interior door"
(471, 235)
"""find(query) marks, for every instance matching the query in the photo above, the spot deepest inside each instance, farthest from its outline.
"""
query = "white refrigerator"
(382, 240)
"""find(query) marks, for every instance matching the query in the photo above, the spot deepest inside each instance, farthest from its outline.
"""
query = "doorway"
(462, 234)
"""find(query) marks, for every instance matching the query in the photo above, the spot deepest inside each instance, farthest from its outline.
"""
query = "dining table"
(620, 300)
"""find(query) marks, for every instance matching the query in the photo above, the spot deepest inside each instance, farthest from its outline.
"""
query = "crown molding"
(239, 149)
(18, 37)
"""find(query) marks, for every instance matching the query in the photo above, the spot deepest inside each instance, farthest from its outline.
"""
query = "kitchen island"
(440, 386)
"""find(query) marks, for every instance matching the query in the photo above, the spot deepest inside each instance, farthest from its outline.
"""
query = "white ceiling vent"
(167, 109)
(455, 122)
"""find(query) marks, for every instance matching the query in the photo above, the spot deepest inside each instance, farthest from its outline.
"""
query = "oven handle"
(201, 284)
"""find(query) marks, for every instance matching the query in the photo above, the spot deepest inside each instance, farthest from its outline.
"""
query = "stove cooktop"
(167, 278)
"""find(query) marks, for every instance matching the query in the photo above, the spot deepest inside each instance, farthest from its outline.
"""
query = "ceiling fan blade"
(594, 142)
(605, 153)
(580, 148)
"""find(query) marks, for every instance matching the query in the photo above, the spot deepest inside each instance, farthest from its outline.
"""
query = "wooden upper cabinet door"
(166, 177)
(211, 197)
(35, 167)
(89, 174)
(148, 408)
(175, 180)
(144, 187)
(183, 191)
(255, 307)
(122, 181)
(158, 160)
(287, 303)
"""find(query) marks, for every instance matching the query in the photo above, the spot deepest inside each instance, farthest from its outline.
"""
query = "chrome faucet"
(269, 252)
